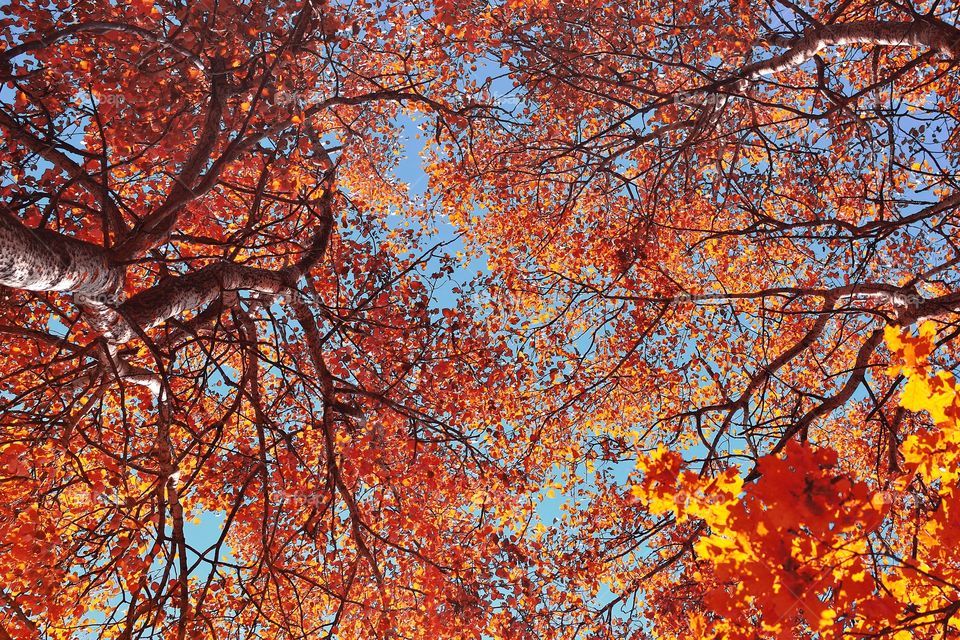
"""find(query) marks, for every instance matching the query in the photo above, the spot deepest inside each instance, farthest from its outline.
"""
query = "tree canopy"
(647, 332)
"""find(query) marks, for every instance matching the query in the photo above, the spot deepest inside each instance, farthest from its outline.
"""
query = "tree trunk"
(42, 260)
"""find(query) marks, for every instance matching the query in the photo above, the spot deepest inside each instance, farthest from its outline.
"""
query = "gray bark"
(42, 260)
(174, 296)
(930, 34)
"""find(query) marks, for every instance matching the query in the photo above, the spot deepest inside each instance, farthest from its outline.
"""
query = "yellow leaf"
(827, 617)
(916, 393)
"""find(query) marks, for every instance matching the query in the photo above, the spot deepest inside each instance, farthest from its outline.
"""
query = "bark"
(928, 34)
(42, 260)
(174, 296)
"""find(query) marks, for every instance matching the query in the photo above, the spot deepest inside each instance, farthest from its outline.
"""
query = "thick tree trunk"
(42, 260)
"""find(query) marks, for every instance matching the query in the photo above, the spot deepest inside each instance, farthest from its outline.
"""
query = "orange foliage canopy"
(661, 346)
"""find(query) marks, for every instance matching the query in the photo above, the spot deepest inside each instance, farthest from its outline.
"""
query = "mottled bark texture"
(42, 260)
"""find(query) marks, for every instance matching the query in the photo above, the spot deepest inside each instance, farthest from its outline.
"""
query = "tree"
(721, 276)
(717, 209)
(207, 314)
